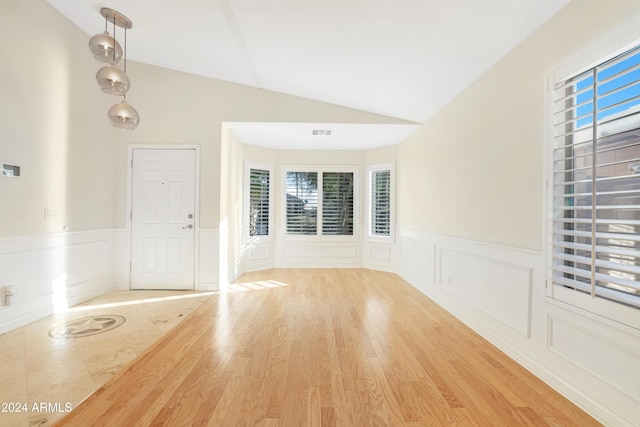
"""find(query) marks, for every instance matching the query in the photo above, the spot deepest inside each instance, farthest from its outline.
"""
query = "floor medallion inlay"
(87, 326)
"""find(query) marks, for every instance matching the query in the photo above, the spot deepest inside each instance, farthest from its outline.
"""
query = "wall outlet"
(50, 213)
(9, 294)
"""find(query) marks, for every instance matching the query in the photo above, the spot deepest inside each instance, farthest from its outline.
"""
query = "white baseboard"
(208, 287)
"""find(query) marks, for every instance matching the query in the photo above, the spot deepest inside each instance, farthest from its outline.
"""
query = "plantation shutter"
(302, 203)
(380, 203)
(259, 181)
(337, 203)
(596, 181)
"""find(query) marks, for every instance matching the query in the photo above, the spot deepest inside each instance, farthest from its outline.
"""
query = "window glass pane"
(380, 203)
(337, 203)
(618, 213)
(302, 203)
(259, 202)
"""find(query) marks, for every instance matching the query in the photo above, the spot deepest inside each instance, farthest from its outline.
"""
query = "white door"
(162, 219)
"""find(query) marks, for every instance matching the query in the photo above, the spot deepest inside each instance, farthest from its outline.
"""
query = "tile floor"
(42, 376)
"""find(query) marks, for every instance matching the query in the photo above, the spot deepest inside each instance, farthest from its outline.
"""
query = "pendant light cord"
(124, 95)
(114, 40)
(125, 50)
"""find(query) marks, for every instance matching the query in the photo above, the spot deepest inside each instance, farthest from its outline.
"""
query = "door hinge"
(130, 214)
(130, 266)
(131, 163)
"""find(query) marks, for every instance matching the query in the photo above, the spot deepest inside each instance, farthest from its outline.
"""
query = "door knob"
(187, 226)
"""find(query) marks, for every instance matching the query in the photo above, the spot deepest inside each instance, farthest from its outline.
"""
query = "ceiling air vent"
(326, 132)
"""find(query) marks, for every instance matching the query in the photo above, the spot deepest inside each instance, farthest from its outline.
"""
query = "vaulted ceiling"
(399, 58)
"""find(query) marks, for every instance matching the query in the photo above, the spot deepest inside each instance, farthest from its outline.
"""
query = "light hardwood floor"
(324, 347)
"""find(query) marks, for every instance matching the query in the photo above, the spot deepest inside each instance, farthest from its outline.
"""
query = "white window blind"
(259, 182)
(380, 203)
(596, 181)
(337, 203)
(302, 203)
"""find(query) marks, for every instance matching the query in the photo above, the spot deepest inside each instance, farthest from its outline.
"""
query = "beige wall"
(476, 168)
(381, 155)
(52, 124)
(181, 108)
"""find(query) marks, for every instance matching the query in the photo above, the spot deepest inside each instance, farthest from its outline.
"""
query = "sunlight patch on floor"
(86, 307)
(252, 286)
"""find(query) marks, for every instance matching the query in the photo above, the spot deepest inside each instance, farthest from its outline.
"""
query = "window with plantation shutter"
(596, 182)
(302, 203)
(380, 203)
(259, 197)
(337, 203)
(320, 202)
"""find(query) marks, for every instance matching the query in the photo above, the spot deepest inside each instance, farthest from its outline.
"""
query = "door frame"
(196, 225)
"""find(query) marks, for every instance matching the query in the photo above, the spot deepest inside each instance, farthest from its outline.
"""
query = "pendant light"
(111, 79)
(105, 48)
(123, 116)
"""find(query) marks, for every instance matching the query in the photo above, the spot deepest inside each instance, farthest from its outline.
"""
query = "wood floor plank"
(324, 347)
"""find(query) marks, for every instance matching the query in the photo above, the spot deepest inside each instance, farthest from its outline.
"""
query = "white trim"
(196, 243)
(547, 185)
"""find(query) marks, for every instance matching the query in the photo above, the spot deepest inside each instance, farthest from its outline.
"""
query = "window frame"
(246, 201)
(319, 170)
(620, 313)
(370, 170)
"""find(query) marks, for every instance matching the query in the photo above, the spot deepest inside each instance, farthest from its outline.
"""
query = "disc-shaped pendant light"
(113, 80)
(105, 48)
(123, 116)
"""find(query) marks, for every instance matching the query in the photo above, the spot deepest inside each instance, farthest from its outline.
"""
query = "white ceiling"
(399, 58)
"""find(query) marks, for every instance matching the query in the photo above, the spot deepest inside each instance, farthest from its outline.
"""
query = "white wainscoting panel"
(122, 255)
(294, 251)
(208, 260)
(259, 253)
(318, 254)
(379, 255)
(614, 362)
(52, 272)
(417, 258)
(500, 289)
